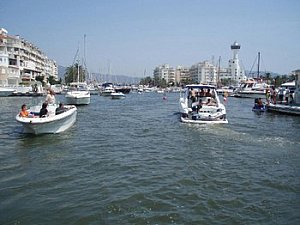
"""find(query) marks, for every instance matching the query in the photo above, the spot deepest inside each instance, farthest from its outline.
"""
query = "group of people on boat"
(195, 95)
(200, 98)
(283, 95)
(50, 99)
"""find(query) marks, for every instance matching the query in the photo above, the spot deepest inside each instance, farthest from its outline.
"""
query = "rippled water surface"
(131, 161)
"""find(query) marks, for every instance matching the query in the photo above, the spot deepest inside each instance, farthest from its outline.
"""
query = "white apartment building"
(165, 72)
(203, 72)
(21, 61)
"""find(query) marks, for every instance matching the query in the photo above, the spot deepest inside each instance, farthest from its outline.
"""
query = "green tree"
(41, 79)
(71, 74)
(52, 80)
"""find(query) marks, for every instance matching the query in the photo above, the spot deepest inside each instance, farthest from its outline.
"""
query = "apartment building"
(21, 61)
(182, 73)
(165, 72)
(203, 72)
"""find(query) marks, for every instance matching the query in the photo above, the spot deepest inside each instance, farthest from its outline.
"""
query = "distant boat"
(292, 104)
(50, 124)
(6, 91)
(117, 95)
(252, 87)
(107, 89)
(78, 93)
(34, 89)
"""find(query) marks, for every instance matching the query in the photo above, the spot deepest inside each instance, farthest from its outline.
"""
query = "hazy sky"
(134, 35)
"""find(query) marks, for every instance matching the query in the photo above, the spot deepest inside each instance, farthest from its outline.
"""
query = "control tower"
(235, 71)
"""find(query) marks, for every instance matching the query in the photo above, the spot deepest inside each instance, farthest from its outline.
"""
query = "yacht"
(252, 88)
(200, 104)
(78, 94)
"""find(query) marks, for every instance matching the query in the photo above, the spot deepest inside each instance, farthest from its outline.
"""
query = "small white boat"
(50, 124)
(78, 94)
(202, 109)
(252, 88)
(107, 91)
(117, 95)
(225, 89)
(286, 109)
(6, 91)
(292, 106)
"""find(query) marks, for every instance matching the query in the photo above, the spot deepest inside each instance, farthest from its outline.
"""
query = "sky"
(132, 37)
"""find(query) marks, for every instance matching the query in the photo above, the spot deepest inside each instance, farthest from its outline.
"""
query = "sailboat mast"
(78, 72)
(218, 74)
(84, 58)
(258, 61)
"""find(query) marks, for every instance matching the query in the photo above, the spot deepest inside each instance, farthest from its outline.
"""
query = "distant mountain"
(117, 79)
(261, 73)
(61, 71)
(103, 78)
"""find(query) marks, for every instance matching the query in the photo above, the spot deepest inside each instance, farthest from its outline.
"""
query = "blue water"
(131, 161)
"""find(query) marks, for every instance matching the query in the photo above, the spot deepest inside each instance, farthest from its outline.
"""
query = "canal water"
(132, 161)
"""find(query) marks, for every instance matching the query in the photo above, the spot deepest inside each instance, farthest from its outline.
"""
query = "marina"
(134, 162)
(149, 113)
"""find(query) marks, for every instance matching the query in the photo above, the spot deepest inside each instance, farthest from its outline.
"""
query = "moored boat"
(200, 104)
(78, 94)
(107, 90)
(292, 103)
(117, 95)
(6, 91)
(49, 124)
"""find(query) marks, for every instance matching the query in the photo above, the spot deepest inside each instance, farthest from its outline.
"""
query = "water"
(131, 161)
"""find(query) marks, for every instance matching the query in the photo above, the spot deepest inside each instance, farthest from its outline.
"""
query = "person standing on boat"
(193, 95)
(273, 95)
(268, 95)
(50, 98)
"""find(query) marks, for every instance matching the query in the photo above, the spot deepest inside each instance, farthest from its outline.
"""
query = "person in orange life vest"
(24, 112)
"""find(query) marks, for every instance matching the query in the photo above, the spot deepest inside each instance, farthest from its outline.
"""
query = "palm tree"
(72, 72)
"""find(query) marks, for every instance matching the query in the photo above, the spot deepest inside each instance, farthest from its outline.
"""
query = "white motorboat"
(117, 95)
(286, 109)
(252, 88)
(78, 94)
(50, 124)
(292, 105)
(224, 90)
(107, 91)
(202, 107)
(6, 91)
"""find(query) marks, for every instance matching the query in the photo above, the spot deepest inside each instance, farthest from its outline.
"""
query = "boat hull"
(286, 109)
(5, 92)
(188, 120)
(49, 125)
(252, 95)
(78, 98)
(117, 95)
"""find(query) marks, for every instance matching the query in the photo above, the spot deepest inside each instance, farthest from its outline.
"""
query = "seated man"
(210, 102)
(60, 109)
(44, 110)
